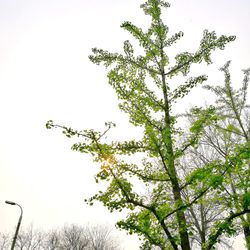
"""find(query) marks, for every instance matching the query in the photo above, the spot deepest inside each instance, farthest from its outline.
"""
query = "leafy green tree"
(228, 135)
(147, 92)
(204, 214)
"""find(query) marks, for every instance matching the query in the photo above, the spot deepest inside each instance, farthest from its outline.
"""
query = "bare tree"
(101, 238)
(73, 237)
(52, 240)
(5, 241)
(69, 237)
(30, 239)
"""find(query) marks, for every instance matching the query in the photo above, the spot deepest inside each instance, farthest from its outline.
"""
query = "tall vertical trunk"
(180, 215)
(181, 219)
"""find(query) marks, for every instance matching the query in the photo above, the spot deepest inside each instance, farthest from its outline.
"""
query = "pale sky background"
(45, 74)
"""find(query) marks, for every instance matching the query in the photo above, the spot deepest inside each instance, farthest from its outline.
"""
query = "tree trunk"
(181, 220)
(180, 215)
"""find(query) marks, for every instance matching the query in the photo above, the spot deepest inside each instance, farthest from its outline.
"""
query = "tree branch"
(213, 237)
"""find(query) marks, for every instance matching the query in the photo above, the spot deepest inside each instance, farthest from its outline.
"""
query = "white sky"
(45, 74)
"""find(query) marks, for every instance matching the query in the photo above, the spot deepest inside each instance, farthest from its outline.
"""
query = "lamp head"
(10, 202)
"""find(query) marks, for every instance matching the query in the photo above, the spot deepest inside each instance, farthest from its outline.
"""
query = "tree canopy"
(147, 92)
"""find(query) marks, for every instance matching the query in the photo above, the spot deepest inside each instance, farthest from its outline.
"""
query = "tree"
(69, 237)
(4, 241)
(101, 238)
(204, 214)
(231, 131)
(52, 240)
(143, 86)
(74, 238)
(30, 239)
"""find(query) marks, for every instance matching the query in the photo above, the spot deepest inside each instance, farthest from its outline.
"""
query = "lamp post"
(18, 224)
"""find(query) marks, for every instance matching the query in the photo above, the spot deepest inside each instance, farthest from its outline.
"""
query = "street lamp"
(18, 224)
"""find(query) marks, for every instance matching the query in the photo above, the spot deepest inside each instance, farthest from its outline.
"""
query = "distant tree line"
(69, 237)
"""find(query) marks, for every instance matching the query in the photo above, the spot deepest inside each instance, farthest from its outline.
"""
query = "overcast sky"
(45, 74)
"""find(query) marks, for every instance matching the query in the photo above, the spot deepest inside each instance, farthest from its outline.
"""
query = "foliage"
(229, 137)
(147, 92)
